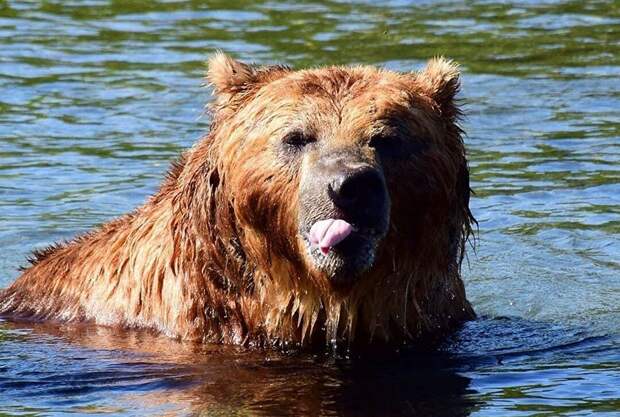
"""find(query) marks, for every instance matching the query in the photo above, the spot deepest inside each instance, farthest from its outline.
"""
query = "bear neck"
(414, 305)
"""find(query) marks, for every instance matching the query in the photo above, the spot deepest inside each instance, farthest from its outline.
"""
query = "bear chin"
(346, 262)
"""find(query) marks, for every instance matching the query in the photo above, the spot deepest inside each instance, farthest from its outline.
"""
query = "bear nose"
(358, 190)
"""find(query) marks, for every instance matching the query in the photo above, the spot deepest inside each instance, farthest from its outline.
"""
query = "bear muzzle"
(344, 215)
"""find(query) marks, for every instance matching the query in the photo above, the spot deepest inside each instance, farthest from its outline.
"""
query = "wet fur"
(215, 254)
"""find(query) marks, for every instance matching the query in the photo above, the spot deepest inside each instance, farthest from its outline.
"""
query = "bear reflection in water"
(84, 364)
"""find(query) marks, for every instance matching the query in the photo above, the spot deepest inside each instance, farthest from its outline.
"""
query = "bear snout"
(344, 214)
(361, 194)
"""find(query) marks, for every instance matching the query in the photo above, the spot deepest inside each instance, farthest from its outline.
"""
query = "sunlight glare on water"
(96, 97)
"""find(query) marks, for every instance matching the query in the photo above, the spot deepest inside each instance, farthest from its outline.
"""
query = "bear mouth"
(341, 250)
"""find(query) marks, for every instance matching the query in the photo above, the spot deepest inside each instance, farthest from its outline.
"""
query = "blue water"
(96, 97)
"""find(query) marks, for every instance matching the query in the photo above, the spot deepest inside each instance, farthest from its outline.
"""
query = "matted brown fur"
(215, 255)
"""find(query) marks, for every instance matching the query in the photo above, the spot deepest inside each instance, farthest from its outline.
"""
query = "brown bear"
(325, 205)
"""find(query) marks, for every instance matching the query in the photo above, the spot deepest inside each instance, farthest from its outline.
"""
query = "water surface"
(96, 97)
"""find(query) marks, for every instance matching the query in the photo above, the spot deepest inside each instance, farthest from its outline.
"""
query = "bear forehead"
(340, 93)
(350, 101)
(342, 85)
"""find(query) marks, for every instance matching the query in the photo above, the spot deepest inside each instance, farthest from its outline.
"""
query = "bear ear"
(228, 75)
(440, 80)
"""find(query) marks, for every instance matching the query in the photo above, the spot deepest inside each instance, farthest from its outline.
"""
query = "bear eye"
(296, 141)
(381, 141)
(393, 146)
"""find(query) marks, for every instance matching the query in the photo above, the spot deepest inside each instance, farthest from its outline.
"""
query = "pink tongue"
(328, 233)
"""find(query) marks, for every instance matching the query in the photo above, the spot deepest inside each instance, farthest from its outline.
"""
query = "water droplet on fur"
(333, 344)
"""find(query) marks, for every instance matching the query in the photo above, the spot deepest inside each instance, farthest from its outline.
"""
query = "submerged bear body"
(323, 205)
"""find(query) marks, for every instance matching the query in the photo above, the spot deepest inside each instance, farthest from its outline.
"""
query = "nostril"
(362, 183)
(356, 187)
(335, 186)
(349, 190)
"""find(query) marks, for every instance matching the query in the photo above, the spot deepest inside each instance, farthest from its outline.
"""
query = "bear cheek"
(420, 209)
(267, 207)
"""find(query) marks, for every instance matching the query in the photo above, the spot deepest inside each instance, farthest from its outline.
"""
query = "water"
(96, 97)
